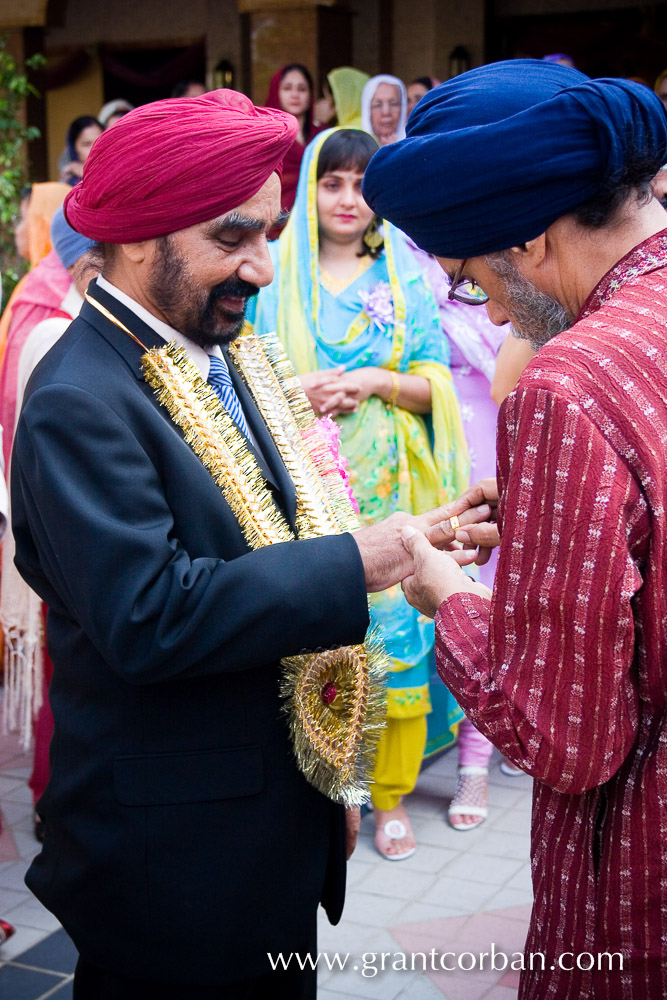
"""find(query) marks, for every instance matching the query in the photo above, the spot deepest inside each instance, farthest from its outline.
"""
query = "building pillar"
(276, 32)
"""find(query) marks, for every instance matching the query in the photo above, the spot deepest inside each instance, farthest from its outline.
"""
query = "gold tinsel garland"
(335, 699)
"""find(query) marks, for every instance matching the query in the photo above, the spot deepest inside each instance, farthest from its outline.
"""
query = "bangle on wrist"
(395, 390)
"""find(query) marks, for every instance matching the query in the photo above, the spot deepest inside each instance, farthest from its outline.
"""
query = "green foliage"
(15, 86)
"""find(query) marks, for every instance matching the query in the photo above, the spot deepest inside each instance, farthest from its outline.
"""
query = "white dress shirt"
(196, 354)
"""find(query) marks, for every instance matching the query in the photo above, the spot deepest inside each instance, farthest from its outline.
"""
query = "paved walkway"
(460, 893)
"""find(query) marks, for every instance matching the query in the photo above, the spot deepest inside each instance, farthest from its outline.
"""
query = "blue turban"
(493, 157)
(68, 244)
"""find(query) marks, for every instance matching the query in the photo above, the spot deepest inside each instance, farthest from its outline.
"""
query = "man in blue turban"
(531, 184)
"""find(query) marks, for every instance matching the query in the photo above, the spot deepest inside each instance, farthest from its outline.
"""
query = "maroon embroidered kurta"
(565, 670)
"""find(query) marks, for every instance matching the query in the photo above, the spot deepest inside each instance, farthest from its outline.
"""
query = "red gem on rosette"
(329, 693)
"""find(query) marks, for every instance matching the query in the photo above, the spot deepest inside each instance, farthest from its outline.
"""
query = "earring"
(372, 237)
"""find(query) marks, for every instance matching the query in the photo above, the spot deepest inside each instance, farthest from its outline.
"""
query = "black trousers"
(91, 983)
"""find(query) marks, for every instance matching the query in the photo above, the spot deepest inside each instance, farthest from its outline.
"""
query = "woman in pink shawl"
(42, 202)
(39, 298)
(47, 294)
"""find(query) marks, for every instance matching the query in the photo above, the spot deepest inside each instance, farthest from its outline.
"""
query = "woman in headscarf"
(111, 112)
(660, 87)
(361, 327)
(43, 201)
(347, 85)
(81, 135)
(291, 89)
(384, 108)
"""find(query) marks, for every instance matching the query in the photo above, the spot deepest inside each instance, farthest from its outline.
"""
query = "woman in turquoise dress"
(362, 329)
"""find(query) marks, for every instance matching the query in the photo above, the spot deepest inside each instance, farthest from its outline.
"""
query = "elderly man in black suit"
(182, 842)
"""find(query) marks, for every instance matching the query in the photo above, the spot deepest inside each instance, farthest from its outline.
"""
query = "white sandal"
(467, 798)
(395, 829)
(510, 770)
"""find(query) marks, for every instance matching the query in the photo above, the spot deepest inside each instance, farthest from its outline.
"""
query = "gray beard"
(535, 316)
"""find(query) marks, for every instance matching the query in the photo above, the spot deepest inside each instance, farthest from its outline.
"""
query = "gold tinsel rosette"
(335, 699)
(336, 703)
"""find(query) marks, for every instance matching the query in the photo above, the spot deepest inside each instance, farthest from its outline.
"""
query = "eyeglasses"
(466, 290)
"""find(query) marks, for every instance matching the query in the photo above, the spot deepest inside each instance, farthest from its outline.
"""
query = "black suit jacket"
(182, 842)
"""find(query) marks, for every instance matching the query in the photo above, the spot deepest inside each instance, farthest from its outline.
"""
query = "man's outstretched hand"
(436, 575)
(482, 536)
(387, 561)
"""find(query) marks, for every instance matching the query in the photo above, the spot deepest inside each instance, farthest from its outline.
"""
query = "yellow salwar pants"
(399, 758)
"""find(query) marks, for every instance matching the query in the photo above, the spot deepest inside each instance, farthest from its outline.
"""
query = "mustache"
(235, 288)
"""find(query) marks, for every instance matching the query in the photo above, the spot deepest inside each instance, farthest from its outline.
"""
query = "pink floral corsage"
(331, 433)
(379, 304)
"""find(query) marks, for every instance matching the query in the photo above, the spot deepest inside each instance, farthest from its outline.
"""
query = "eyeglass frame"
(455, 295)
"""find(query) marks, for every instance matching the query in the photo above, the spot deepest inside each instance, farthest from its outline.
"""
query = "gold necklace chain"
(112, 319)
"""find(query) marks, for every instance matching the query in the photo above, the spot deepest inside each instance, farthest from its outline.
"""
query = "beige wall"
(82, 97)
(414, 38)
(24, 14)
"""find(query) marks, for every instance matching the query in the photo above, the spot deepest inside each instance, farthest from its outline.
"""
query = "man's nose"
(497, 313)
(258, 266)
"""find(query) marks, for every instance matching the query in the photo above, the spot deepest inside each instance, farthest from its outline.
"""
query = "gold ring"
(454, 522)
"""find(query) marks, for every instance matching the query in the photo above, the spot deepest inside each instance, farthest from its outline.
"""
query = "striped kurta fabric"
(565, 670)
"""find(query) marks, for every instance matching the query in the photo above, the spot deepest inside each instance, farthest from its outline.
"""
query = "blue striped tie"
(220, 381)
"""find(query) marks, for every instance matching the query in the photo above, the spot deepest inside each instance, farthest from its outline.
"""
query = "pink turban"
(171, 164)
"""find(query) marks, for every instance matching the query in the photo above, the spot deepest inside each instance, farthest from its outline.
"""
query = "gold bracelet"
(395, 390)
